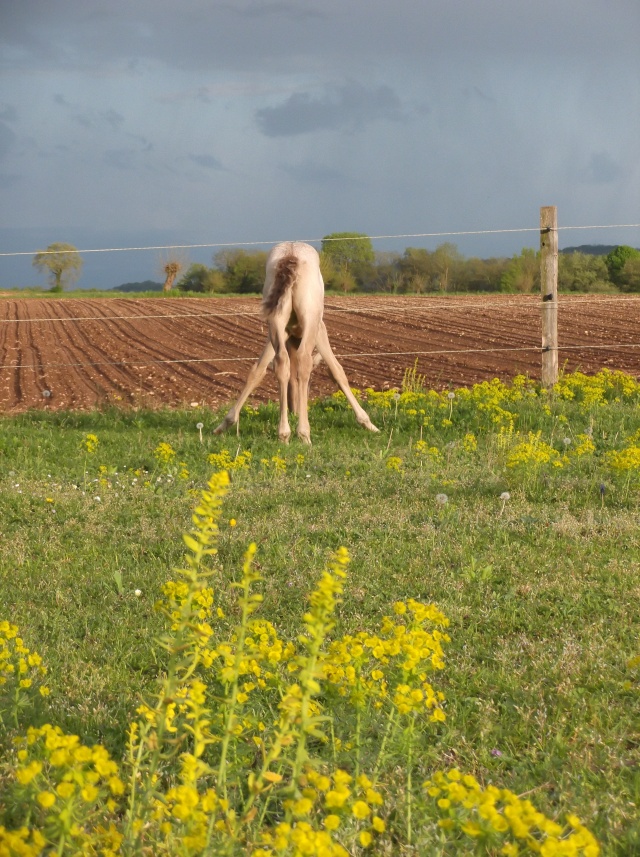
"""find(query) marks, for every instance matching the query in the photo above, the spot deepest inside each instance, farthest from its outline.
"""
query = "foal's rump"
(292, 267)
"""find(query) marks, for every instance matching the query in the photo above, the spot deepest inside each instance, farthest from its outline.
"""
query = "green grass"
(542, 588)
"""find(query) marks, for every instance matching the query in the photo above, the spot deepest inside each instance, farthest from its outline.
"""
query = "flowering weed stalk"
(179, 720)
(21, 673)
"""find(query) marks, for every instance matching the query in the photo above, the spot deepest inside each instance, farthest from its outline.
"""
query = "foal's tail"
(285, 276)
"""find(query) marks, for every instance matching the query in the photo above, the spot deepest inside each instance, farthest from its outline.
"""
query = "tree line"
(350, 264)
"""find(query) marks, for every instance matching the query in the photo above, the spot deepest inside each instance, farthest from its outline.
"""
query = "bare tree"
(170, 266)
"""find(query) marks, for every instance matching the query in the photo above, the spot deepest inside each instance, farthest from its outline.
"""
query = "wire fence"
(271, 242)
(345, 356)
(376, 304)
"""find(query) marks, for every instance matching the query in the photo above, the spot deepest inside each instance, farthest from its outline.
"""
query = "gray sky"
(128, 122)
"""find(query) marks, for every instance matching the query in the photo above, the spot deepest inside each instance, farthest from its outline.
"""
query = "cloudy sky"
(135, 122)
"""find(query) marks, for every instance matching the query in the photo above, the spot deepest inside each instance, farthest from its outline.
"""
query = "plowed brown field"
(151, 352)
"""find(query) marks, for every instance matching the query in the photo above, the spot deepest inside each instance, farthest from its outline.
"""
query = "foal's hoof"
(367, 424)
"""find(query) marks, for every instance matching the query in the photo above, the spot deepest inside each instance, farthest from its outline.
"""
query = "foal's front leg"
(256, 375)
(340, 378)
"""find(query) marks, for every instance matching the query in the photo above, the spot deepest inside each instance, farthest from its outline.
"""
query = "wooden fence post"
(549, 290)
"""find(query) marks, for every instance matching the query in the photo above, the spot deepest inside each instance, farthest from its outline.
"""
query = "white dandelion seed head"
(566, 441)
(138, 593)
(441, 499)
(505, 496)
(451, 395)
(199, 426)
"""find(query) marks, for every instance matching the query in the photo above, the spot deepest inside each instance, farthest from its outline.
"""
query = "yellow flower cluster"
(264, 646)
(393, 663)
(327, 802)
(186, 815)
(626, 460)
(20, 669)
(593, 390)
(70, 783)
(223, 461)
(276, 463)
(470, 442)
(487, 400)
(21, 843)
(263, 651)
(394, 463)
(422, 448)
(534, 452)
(90, 443)
(498, 815)
(584, 446)
(164, 453)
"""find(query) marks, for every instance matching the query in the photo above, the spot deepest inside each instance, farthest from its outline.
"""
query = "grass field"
(514, 510)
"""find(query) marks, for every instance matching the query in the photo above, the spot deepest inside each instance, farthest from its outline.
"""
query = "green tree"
(243, 272)
(522, 273)
(481, 275)
(582, 272)
(348, 248)
(446, 260)
(630, 275)
(199, 278)
(61, 263)
(616, 260)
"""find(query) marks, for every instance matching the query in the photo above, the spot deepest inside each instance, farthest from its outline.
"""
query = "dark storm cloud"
(207, 161)
(347, 108)
(411, 116)
(253, 36)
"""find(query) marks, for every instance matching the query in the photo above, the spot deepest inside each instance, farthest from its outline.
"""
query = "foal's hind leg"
(292, 390)
(323, 346)
(281, 366)
(304, 361)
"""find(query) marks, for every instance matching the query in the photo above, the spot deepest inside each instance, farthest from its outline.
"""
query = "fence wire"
(321, 240)
(390, 305)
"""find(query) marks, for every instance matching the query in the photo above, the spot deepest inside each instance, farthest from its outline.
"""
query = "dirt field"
(79, 354)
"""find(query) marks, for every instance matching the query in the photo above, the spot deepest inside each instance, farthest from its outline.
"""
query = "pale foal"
(292, 305)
